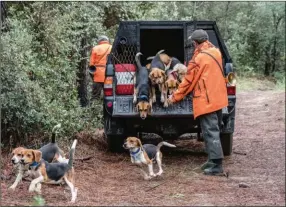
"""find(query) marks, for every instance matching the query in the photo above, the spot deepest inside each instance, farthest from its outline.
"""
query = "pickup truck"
(148, 37)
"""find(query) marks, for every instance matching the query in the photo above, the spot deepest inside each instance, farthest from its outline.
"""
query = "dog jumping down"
(50, 152)
(145, 154)
(142, 90)
(48, 172)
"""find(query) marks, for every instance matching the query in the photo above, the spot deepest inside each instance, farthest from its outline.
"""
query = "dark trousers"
(96, 90)
(211, 125)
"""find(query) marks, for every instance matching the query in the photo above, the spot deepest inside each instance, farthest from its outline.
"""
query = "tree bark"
(82, 73)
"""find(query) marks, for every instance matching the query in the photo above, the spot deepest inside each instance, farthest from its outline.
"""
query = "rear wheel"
(115, 143)
(226, 140)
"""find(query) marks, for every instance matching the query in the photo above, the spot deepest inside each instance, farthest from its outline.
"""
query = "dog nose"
(143, 117)
(13, 161)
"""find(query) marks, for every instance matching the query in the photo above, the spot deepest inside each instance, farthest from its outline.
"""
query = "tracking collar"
(143, 98)
(34, 164)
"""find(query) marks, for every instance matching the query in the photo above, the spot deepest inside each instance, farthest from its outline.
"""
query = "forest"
(45, 48)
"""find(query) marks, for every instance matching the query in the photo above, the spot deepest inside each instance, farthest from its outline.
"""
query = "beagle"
(174, 75)
(50, 172)
(50, 152)
(178, 68)
(159, 64)
(142, 90)
(172, 81)
(145, 154)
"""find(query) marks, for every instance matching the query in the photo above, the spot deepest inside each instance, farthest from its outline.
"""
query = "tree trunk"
(267, 64)
(275, 52)
(82, 73)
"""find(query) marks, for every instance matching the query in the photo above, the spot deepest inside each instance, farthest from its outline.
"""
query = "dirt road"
(109, 179)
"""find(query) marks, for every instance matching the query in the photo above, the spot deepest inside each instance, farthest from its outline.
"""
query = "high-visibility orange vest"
(98, 58)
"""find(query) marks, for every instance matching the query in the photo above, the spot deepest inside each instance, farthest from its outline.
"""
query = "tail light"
(107, 88)
(125, 78)
(231, 90)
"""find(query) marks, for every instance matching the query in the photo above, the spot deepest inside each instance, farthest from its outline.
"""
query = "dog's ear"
(139, 143)
(149, 107)
(37, 155)
(177, 83)
(137, 107)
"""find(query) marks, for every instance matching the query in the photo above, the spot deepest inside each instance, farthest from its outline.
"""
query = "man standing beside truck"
(206, 80)
(97, 64)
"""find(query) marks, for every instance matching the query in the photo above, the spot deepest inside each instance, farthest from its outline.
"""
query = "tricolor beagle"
(50, 152)
(50, 172)
(145, 154)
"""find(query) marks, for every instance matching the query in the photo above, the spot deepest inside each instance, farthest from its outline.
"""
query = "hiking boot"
(215, 169)
(207, 164)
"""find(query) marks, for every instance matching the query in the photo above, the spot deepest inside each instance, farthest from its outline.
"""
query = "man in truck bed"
(205, 78)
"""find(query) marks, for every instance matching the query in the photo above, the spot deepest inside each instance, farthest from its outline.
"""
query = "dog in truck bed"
(160, 62)
(174, 74)
(141, 96)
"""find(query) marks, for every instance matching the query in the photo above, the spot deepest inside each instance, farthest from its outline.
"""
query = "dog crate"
(149, 37)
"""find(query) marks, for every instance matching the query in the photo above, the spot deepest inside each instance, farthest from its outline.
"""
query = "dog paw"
(31, 189)
(159, 173)
(166, 104)
(134, 100)
(147, 178)
(12, 188)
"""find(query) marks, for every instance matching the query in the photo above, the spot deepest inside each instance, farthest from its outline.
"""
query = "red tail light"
(125, 81)
(107, 88)
(231, 90)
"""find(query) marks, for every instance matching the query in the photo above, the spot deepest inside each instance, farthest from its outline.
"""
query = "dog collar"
(134, 153)
(34, 164)
(143, 97)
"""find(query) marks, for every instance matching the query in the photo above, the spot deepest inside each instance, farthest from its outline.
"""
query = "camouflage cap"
(199, 36)
(102, 38)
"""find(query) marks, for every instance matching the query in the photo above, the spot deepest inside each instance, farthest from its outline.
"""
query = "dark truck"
(149, 37)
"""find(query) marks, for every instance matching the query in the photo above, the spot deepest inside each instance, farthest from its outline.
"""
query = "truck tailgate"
(123, 107)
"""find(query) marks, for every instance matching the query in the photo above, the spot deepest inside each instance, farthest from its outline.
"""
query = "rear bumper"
(123, 107)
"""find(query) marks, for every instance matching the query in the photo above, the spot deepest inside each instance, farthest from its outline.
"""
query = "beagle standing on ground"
(145, 154)
(50, 152)
(49, 172)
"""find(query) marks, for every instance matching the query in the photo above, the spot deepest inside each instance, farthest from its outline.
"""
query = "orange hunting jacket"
(205, 78)
(99, 58)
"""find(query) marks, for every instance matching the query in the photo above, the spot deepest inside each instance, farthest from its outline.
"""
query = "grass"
(259, 83)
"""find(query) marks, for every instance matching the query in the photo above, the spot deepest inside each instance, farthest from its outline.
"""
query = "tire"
(226, 140)
(115, 143)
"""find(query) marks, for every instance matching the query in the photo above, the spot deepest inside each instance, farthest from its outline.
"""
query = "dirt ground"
(258, 162)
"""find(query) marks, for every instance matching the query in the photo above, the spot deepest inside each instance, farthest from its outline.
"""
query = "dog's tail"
(150, 58)
(158, 53)
(72, 151)
(54, 132)
(137, 60)
(164, 143)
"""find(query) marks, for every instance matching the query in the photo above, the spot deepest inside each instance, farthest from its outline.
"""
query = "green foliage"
(38, 201)
(45, 37)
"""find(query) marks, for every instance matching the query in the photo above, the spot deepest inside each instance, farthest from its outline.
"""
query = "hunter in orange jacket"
(98, 59)
(205, 78)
